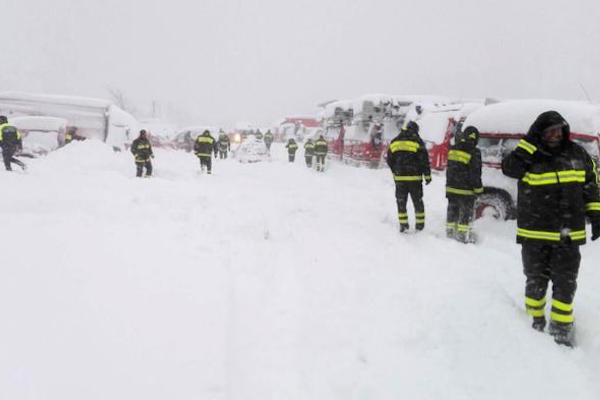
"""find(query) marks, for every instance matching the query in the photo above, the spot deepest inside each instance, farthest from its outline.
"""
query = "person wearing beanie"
(142, 150)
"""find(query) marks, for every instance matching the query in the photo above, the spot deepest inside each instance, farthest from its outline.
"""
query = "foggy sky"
(218, 62)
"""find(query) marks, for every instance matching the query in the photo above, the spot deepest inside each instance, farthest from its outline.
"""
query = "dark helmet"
(471, 133)
(3, 119)
(206, 132)
(143, 132)
(412, 127)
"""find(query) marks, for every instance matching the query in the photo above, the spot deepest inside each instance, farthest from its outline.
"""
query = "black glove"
(428, 180)
(595, 229)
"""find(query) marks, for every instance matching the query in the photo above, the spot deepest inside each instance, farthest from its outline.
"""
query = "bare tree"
(119, 98)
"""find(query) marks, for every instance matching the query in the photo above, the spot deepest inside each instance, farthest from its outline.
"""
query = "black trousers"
(556, 262)
(139, 165)
(460, 213)
(268, 144)
(415, 190)
(308, 161)
(9, 158)
(222, 154)
(291, 157)
(320, 162)
(206, 162)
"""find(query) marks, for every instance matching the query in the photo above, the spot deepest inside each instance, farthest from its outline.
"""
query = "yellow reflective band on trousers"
(404, 145)
(204, 154)
(566, 319)
(535, 303)
(528, 147)
(459, 156)
(552, 178)
(549, 236)
(450, 225)
(407, 178)
(535, 312)
(593, 206)
(463, 192)
(463, 228)
(403, 218)
(559, 305)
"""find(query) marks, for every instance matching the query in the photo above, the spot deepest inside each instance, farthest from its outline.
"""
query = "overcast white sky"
(229, 60)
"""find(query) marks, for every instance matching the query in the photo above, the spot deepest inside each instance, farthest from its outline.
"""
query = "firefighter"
(224, 144)
(557, 190)
(309, 150)
(69, 135)
(408, 159)
(321, 148)
(291, 147)
(203, 148)
(463, 184)
(142, 150)
(259, 134)
(11, 140)
(268, 139)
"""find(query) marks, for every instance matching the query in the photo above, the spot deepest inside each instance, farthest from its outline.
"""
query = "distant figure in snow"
(408, 159)
(268, 139)
(142, 150)
(309, 151)
(558, 189)
(321, 149)
(291, 147)
(463, 184)
(258, 134)
(11, 140)
(204, 147)
(224, 144)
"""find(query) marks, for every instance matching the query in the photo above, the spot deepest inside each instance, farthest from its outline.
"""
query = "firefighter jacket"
(321, 147)
(291, 146)
(463, 173)
(268, 137)
(407, 157)
(11, 138)
(557, 188)
(141, 149)
(224, 144)
(205, 145)
(309, 148)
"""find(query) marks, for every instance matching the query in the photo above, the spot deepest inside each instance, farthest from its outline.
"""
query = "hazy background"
(224, 61)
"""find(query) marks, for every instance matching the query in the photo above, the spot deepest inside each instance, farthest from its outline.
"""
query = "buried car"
(252, 150)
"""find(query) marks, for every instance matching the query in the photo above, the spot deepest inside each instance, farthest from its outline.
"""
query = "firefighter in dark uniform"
(463, 184)
(224, 145)
(268, 139)
(558, 189)
(203, 148)
(69, 135)
(321, 148)
(11, 141)
(309, 151)
(291, 147)
(408, 159)
(142, 150)
(259, 134)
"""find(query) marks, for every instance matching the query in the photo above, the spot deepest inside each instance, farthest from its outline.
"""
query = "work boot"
(563, 333)
(539, 323)
(420, 227)
(404, 228)
(450, 233)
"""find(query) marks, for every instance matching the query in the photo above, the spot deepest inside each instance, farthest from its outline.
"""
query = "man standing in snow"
(321, 149)
(309, 149)
(203, 148)
(463, 183)
(142, 150)
(11, 141)
(268, 139)
(224, 145)
(558, 189)
(408, 159)
(291, 147)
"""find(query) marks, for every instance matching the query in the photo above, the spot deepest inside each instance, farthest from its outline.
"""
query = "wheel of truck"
(493, 204)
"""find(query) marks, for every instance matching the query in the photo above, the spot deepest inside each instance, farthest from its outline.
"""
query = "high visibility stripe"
(550, 236)
(464, 192)
(528, 147)
(464, 228)
(451, 225)
(420, 220)
(420, 214)
(478, 190)
(593, 206)
(459, 156)
(407, 178)
(567, 319)
(551, 178)
(559, 305)
(204, 154)
(535, 303)
(404, 145)
(536, 313)
(595, 171)
(320, 143)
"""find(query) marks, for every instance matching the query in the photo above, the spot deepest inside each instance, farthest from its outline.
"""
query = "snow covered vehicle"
(93, 118)
(501, 127)
(252, 150)
(41, 135)
(297, 128)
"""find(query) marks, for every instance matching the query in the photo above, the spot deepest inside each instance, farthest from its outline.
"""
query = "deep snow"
(263, 281)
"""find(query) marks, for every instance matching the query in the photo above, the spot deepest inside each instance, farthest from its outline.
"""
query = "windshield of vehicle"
(590, 145)
(494, 149)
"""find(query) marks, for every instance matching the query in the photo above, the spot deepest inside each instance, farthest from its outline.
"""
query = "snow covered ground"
(263, 281)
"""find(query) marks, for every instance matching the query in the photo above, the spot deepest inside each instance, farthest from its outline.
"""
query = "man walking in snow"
(142, 150)
(224, 145)
(203, 148)
(321, 148)
(268, 139)
(11, 141)
(291, 147)
(309, 149)
(558, 189)
(463, 184)
(408, 159)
